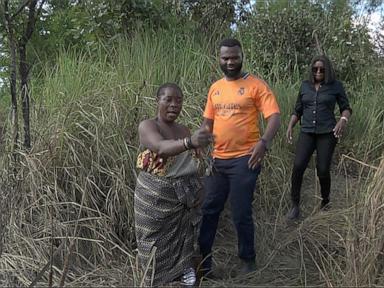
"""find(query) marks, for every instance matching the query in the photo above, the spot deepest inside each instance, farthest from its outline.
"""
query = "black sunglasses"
(315, 69)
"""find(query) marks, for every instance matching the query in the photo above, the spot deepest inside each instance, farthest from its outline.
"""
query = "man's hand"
(258, 153)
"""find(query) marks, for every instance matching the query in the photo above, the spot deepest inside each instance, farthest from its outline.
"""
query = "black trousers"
(231, 179)
(324, 144)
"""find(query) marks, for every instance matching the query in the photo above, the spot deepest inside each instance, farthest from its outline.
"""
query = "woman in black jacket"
(319, 129)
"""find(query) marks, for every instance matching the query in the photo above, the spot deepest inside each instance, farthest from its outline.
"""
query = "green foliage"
(282, 36)
(81, 24)
(214, 17)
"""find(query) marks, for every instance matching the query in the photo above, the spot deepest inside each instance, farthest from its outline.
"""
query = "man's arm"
(273, 124)
(258, 151)
(207, 124)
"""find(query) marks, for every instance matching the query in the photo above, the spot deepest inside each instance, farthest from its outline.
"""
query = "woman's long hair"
(329, 73)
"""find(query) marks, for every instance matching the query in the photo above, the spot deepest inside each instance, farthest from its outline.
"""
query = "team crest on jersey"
(217, 93)
(241, 91)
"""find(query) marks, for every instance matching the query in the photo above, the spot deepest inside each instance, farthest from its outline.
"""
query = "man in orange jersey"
(232, 114)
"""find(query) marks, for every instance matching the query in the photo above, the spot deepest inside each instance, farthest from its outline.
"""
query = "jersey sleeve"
(265, 100)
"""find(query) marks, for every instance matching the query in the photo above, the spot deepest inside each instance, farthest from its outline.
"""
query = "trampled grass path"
(285, 250)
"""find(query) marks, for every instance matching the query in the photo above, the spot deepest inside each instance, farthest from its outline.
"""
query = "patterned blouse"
(183, 164)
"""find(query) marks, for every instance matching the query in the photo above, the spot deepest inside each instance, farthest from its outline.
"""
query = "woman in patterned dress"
(167, 192)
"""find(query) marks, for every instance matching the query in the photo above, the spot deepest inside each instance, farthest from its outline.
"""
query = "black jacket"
(316, 108)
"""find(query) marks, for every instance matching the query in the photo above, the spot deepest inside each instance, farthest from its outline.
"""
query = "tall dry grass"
(76, 185)
(66, 209)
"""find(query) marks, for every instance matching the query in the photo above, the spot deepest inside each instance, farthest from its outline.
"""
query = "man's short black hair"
(230, 42)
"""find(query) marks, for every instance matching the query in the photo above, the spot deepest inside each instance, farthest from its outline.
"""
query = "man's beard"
(231, 73)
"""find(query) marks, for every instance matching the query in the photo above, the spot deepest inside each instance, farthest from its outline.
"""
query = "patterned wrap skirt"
(166, 225)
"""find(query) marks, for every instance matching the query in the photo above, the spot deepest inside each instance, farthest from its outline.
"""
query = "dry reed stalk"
(374, 216)
(50, 276)
(44, 269)
(66, 263)
(344, 156)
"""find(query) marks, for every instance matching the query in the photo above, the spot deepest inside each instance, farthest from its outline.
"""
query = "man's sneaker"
(294, 213)
(247, 266)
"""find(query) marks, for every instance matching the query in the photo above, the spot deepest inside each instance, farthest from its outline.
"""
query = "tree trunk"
(12, 80)
(24, 71)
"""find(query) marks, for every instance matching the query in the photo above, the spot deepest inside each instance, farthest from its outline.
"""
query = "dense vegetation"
(66, 203)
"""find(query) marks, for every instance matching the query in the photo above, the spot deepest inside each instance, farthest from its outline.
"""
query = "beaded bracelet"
(187, 141)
